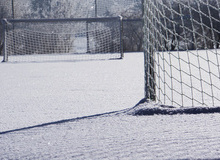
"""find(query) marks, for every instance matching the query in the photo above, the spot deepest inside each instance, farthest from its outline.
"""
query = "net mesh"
(182, 54)
(55, 9)
(65, 40)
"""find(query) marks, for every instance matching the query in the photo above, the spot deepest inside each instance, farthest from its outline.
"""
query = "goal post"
(74, 38)
(150, 92)
(182, 52)
(4, 42)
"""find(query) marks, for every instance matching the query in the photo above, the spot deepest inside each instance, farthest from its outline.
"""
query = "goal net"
(62, 39)
(182, 55)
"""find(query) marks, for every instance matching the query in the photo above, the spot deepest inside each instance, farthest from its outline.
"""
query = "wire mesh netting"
(71, 39)
(182, 54)
(54, 9)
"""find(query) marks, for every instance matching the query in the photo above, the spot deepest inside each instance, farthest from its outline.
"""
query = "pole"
(5, 55)
(96, 10)
(142, 8)
(12, 9)
(87, 37)
(150, 81)
(13, 27)
(121, 37)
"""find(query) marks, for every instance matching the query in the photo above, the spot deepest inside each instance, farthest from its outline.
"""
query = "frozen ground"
(37, 93)
(118, 136)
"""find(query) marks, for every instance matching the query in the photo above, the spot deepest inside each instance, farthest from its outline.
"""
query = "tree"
(131, 11)
(41, 8)
(61, 9)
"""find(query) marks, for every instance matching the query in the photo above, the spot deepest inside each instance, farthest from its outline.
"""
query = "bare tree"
(131, 11)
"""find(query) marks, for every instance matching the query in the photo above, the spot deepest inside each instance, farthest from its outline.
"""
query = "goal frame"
(161, 39)
(6, 22)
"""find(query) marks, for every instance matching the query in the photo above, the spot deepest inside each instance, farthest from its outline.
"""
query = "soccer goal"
(182, 52)
(62, 39)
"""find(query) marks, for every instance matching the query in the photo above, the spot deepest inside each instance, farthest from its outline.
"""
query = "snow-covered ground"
(38, 93)
(122, 136)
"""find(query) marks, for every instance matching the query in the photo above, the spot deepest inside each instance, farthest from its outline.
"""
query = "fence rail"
(61, 20)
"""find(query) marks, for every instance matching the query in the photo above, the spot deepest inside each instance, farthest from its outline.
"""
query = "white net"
(83, 39)
(182, 55)
(56, 9)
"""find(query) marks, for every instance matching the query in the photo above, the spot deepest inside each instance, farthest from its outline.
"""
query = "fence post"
(5, 55)
(87, 37)
(121, 37)
(142, 8)
(96, 9)
(13, 9)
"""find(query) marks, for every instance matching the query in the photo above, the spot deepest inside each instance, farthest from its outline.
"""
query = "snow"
(118, 137)
(35, 94)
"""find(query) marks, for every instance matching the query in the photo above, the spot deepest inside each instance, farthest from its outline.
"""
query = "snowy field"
(47, 112)
(118, 137)
(36, 93)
